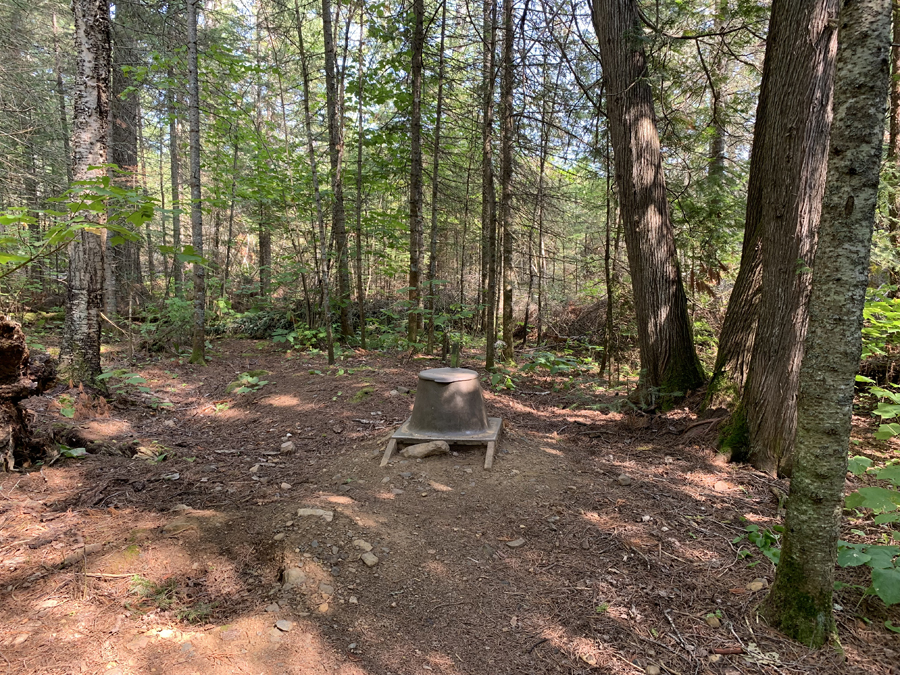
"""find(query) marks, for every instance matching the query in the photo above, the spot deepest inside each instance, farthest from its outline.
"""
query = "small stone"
(289, 523)
(293, 576)
(285, 486)
(422, 450)
(180, 507)
(169, 423)
(385, 480)
(516, 543)
(287, 447)
(646, 519)
(354, 600)
(402, 390)
(652, 670)
(352, 646)
(757, 585)
(274, 607)
(323, 608)
(254, 468)
(393, 392)
(423, 494)
(713, 621)
(326, 589)
(284, 625)
(370, 559)
(468, 469)
(279, 536)
(397, 491)
(715, 658)
(362, 544)
(624, 479)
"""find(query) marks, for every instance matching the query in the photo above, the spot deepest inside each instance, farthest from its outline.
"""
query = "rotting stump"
(449, 406)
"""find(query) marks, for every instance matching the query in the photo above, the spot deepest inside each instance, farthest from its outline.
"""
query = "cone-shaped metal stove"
(449, 407)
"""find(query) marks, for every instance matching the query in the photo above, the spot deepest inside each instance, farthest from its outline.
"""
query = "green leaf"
(863, 378)
(886, 431)
(73, 453)
(882, 556)
(891, 473)
(891, 627)
(879, 499)
(886, 583)
(858, 465)
(852, 557)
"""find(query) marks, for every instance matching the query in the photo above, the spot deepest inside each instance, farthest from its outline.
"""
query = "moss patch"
(362, 394)
(735, 436)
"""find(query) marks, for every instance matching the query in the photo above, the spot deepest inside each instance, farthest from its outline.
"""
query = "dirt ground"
(598, 543)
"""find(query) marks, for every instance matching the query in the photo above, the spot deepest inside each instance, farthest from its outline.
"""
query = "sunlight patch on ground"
(283, 401)
(552, 451)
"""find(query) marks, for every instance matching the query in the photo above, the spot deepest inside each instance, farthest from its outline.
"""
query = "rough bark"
(175, 177)
(803, 43)
(893, 150)
(61, 96)
(416, 197)
(80, 348)
(198, 353)
(336, 154)
(488, 196)
(669, 363)
(800, 602)
(313, 168)
(435, 183)
(360, 292)
(507, 129)
(20, 377)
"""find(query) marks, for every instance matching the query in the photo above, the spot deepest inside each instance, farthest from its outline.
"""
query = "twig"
(536, 645)
(98, 575)
(677, 634)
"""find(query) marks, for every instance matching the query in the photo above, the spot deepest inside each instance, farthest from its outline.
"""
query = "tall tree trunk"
(80, 348)
(234, 159)
(198, 353)
(507, 129)
(435, 183)
(488, 196)
(360, 292)
(669, 363)
(320, 215)
(416, 197)
(336, 154)
(791, 162)
(893, 150)
(175, 172)
(61, 95)
(800, 602)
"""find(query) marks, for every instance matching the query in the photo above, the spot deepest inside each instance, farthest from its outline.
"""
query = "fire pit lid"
(446, 375)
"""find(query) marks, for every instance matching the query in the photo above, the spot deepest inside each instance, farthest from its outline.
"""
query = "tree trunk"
(198, 353)
(61, 95)
(669, 364)
(507, 130)
(177, 265)
(416, 197)
(435, 183)
(336, 154)
(80, 348)
(801, 48)
(893, 150)
(360, 292)
(800, 602)
(488, 196)
(320, 215)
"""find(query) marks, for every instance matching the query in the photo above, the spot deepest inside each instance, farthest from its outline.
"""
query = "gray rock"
(362, 544)
(287, 447)
(625, 480)
(370, 559)
(274, 607)
(284, 625)
(422, 450)
(293, 576)
(279, 536)
(326, 589)
(516, 543)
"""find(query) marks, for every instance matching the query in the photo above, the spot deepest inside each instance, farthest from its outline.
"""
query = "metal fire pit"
(449, 407)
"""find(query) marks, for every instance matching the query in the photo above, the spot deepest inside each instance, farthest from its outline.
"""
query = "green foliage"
(247, 382)
(550, 361)
(881, 316)
(766, 540)
(123, 382)
(300, 338)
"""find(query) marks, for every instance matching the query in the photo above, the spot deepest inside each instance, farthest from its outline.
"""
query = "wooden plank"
(489, 457)
(391, 446)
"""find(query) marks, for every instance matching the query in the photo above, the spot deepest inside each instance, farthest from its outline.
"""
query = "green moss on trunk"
(735, 436)
(793, 611)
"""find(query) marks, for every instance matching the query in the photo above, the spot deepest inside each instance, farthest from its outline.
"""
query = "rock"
(323, 608)
(364, 545)
(402, 390)
(293, 576)
(273, 607)
(279, 536)
(284, 625)
(287, 447)
(285, 486)
(652, 670)
(353, 600)
(646, 519)
(393, 392)
(254, 468)
(757, 585)
(352, 646)
(326, 589)
(406, 474)
(274, 635)
(370, 559)
(516, 543)
(397, 491)
(169, 423)
(713, 621)
(181, 507)
(422, 450)
(321, 513)
(624, 479)
(385, 480)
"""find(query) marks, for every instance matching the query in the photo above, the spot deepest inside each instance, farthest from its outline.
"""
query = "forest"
(662, 237)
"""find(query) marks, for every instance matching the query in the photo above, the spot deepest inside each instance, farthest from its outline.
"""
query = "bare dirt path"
(598, 543)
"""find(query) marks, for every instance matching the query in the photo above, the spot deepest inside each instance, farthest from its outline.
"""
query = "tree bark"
(435, 183)
(360, 292)
(336, 154)
(80, 348)
(800, 602)
(488, 196)
(198, 353)
(802, 45)
(893, 150)
(320, 215)
(175, 176)
(416, 197)
(669, 363)
(61, 96)
(507, 130)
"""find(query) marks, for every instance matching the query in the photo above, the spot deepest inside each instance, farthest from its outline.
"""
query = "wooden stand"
(488, 458)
